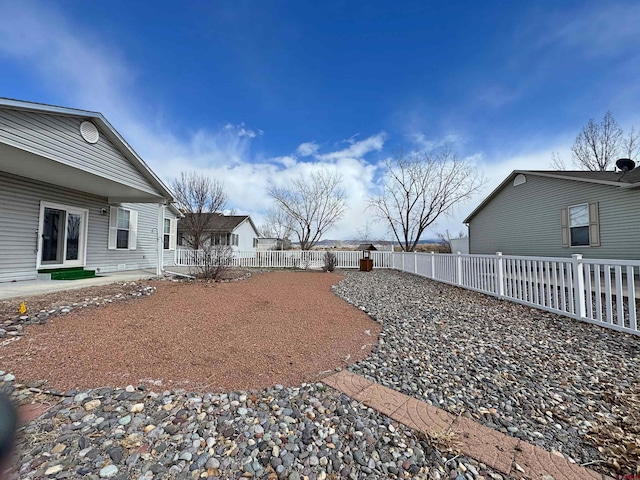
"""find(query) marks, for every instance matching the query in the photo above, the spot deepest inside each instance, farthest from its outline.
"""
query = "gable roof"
(222, 223)
(104, 127)
(614, 179)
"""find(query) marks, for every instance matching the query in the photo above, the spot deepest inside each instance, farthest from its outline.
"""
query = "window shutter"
(564, 226)
(173, 235)
(133, 229)
(594, 225)
(113, 227)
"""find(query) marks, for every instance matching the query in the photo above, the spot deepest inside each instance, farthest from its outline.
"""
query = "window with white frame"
(234, 239)
(169, 233)
(123, 229)
(166, 238)
(579, 225)
(122, 234)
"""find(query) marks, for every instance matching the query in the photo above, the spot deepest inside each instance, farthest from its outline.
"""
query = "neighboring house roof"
(105, 127)
(222, 223)
(615, 179)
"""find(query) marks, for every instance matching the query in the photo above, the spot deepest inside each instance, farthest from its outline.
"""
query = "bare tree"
(277, 224)
(198, 197)
(418, 189)
(364, 233)
(313, 204)
(557, 163)
(446, 237)
(631, 144)
(598, 145)
(215, 261)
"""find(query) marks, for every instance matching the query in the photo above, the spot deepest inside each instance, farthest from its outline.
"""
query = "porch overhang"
(32, 166)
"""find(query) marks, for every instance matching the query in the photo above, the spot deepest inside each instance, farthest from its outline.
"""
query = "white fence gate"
(602, 292)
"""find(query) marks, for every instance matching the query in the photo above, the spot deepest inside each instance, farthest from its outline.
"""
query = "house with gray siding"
(560, 213)
(75, 195)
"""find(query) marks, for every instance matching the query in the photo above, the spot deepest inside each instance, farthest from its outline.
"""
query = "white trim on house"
(132, 228)
(550, 174)
(82, 240)
(105, 128)
(48, 163)
(569, 226)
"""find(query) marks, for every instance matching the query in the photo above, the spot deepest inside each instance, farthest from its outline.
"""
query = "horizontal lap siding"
(146, 253)
(20, 199)
(525, 219)
(58, 138)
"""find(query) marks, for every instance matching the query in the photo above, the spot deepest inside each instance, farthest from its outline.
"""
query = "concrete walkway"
(39, 287)
(509, 455)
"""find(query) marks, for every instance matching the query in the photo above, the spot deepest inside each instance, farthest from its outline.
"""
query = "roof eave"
(548, 175)
(107, 128)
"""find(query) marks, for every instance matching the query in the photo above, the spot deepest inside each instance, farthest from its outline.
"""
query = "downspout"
(160, 261)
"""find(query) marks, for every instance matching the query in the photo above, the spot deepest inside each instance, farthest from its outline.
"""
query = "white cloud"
(602, 30)
(424, 143)
(307, 149)
(241, 131)
(89, 75)
(357, 149)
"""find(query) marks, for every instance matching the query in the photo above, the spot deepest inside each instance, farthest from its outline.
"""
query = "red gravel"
(279, 327)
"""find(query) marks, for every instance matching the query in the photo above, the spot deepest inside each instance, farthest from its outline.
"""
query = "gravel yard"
(280, 327)
(148, 432)
(567, 386)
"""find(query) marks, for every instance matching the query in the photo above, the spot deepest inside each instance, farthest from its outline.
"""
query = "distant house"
(559, 213)
(237, 231)
(76, 196)
(265, 243)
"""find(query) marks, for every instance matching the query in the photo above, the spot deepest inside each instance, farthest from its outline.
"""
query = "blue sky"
(251, 92)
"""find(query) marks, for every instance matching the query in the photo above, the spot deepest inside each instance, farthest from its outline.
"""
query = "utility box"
(366, 262)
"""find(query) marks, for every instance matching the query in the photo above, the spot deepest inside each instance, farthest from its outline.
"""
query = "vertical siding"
(19, 221)
(525, 220)
(58, 138)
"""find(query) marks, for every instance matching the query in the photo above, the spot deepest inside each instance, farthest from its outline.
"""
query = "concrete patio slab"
(501, 452)
(40, 287)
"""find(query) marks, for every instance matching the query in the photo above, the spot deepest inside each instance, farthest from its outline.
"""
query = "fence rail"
(592, 290)
(284, 259)
(598, 291)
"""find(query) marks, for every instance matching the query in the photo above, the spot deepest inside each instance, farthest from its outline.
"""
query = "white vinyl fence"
(284, 259)
(596, 291)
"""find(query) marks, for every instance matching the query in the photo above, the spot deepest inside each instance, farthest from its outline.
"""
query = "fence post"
(578, 286)
(433, 265)
(393, 261)
(415, 262)
(500, 274)
(459, 269)
(403, 253)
